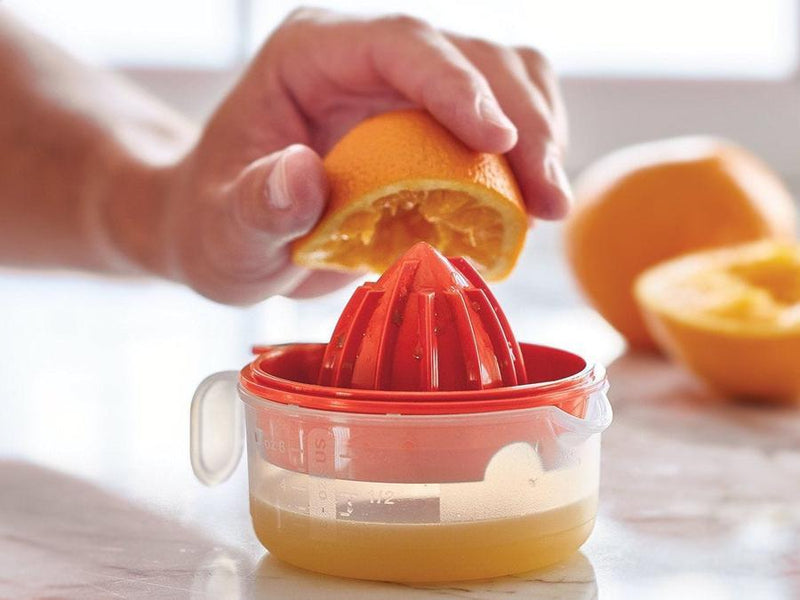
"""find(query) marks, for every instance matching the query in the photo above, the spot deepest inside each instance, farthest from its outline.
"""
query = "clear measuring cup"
(409, 486)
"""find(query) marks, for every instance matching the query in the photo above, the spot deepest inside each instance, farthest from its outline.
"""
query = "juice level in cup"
(424, 552)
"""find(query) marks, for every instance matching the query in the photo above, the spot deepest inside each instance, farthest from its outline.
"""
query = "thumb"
(244, 252)
(281, 196)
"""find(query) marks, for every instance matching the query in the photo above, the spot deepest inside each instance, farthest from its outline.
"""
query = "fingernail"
(490, 111)
(277, 190)
(554, 171)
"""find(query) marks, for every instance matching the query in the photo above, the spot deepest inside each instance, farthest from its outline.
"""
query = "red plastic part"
(428, 338)
(286, 374)
(387, 450)
(428, 324)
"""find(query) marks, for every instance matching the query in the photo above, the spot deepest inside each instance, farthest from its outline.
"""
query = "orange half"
(732, 316)
(400, 178)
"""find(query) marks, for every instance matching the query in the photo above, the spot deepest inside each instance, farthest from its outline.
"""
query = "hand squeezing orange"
(400, 178)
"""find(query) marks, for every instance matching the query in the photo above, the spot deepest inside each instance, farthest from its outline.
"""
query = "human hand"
(255, 180)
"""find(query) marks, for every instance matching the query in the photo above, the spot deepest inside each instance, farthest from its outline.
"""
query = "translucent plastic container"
(410, 486)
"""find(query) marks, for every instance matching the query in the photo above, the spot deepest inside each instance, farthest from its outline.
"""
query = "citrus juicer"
(422, 443)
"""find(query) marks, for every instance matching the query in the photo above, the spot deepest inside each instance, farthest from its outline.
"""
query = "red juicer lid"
(286, 373)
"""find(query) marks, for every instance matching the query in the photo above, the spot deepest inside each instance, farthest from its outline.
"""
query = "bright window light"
(666, 38)
(629, 38)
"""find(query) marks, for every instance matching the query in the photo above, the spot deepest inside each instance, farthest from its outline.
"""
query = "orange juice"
(424, 552)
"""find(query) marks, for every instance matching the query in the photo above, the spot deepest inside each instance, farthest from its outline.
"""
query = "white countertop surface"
(699, 498)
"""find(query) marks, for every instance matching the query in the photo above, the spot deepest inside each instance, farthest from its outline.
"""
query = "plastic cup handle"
(216, 439)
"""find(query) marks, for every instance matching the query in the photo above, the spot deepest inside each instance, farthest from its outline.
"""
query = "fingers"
(245, 247)
(425, 66)
(543, 77)
(336, 58)
(528, 93)
(471, 87)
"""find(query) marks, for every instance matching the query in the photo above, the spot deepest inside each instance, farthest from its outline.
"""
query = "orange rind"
(400, 178)
(732, 316)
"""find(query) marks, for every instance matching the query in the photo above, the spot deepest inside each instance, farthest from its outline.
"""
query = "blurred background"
(631, 71)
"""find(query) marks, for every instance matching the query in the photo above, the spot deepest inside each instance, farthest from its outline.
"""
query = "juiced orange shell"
(400, 178)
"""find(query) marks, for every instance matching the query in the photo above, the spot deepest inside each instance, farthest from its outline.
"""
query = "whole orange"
(647, 203)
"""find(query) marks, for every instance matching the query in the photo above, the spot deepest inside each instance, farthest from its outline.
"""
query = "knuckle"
(450, 91)
(297, 29)
(405, 24)
(298, 21)
(302, 14)
(534, 59)
(452, 78)
(248, 200)
(242, 206)
(288, 28)
(484, 47)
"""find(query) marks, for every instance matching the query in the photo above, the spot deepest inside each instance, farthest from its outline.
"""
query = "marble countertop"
(699, 498)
